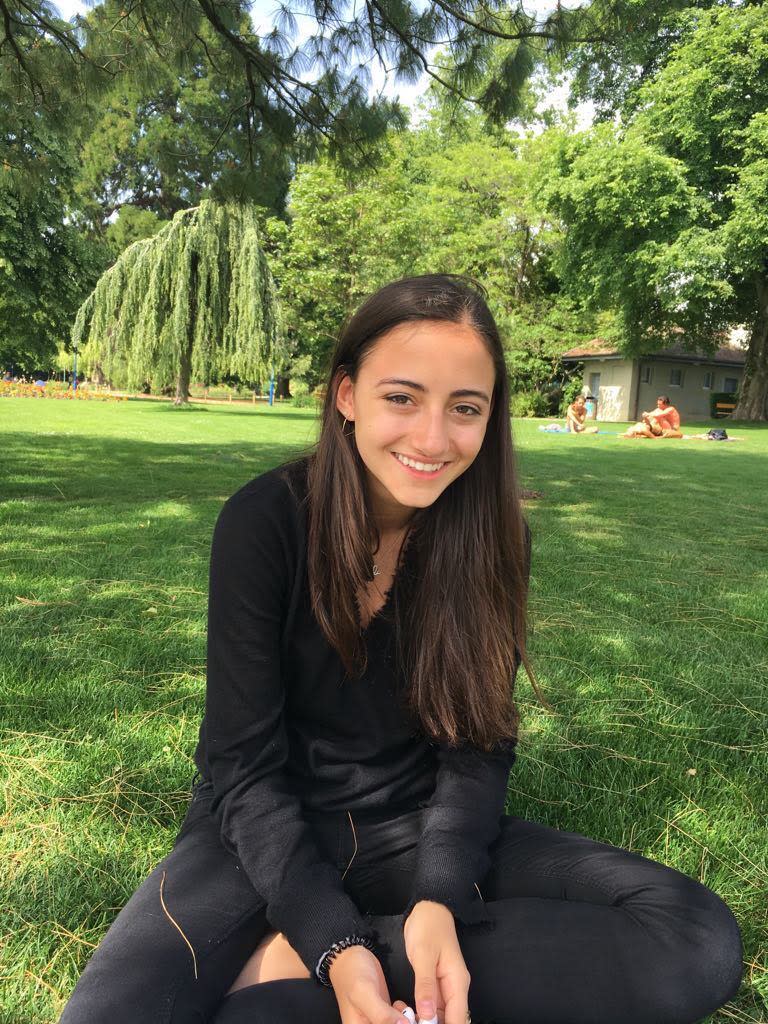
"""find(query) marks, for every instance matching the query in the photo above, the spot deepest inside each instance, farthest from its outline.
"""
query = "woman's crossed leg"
(181, 940)
(583, 933)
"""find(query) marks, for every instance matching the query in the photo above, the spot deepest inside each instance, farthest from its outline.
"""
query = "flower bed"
(54, 389)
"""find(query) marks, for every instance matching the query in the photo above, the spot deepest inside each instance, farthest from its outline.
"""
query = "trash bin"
(591, 404)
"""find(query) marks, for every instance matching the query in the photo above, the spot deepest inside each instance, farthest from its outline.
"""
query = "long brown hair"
(462, 631)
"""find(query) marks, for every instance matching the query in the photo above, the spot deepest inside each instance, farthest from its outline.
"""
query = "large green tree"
(315, 256)
(196, 299)
(454, 200)
(318, 89)
(666, 215)
(163, 142)
(631, 43)
(632, 241)
(46, 265)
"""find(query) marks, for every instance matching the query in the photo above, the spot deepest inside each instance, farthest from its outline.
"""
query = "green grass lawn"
(649, 614)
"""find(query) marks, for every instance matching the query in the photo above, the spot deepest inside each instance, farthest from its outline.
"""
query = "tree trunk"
(185, 372)
(520, 278)
(185, 364)
(752, 403)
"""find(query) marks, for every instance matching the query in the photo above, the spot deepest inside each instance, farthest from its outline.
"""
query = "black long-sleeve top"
(282, 733)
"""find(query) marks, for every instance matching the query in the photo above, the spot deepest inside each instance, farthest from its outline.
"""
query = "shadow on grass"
(112, 537)
(119, 469)
(649, 575)
(285, 413)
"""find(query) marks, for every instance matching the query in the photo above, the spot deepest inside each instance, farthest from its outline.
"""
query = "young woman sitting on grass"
(346, 854)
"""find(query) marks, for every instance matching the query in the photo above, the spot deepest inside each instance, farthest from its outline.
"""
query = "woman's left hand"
(442, 978)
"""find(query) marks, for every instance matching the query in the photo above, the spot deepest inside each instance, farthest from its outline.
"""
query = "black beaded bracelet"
(328, 957)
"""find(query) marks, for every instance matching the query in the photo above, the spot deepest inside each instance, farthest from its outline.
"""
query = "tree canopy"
(312, 92)
(656, 218)
(632, 42)
(665, 214)
(195, 300)
(461, 203)
(165, 142)
(46, 264)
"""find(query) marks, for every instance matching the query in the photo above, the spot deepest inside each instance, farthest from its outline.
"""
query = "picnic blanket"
(556, 428)
(706, 437)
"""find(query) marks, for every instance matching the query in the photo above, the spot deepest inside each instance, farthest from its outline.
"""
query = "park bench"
(724, 409)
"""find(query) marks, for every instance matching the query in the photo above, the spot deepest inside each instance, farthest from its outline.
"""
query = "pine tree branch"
(155, 41)
(211, 61)
(67, 41)
(372, 33)
(420, 56)
(252, 57)
(512, 36)
(9, 37)
(485, 29)
(274, 81)
(250, 107)
(219, 137)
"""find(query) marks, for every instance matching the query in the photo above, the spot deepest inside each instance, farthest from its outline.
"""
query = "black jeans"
(584, 933)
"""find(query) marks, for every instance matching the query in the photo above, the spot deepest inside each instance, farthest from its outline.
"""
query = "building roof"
(599, 349)
(595, 347)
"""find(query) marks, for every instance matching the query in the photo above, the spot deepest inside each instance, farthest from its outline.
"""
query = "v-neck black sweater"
(282, 734)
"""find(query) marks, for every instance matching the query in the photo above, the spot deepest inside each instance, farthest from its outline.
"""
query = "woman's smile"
(420, 469)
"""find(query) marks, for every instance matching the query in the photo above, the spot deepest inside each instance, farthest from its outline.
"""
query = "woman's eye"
(465, 411)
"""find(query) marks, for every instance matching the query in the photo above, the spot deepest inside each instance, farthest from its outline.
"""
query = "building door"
(594, 385)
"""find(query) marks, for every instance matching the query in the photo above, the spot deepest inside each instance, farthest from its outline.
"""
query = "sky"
(262, 12)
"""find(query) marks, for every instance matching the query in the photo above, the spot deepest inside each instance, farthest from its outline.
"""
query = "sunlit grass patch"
(650, 622)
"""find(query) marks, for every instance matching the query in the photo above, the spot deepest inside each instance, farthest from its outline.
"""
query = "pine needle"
(176, 925)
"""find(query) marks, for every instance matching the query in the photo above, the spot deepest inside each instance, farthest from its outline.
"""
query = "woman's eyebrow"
(460, 393)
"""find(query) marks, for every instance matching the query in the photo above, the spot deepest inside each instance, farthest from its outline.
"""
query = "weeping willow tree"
(196, 300)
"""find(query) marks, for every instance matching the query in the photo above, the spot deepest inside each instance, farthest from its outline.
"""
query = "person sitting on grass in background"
(663, 421)
(576, 415)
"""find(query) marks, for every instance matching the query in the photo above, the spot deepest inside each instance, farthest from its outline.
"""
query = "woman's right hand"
(361, 989)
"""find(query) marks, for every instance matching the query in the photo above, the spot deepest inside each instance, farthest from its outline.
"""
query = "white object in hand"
(411, 1016)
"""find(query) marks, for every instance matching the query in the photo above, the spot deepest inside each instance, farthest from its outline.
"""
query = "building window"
(646, 375)
(675, 378)
(708, 377)
(594, 384)
(730, 385)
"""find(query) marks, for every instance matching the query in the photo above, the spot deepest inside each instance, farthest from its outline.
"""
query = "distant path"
(193, 401)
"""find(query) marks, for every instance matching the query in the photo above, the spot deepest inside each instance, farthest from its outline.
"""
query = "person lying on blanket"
(663, 421)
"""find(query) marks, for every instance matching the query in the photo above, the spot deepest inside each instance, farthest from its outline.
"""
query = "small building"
(624, 387)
